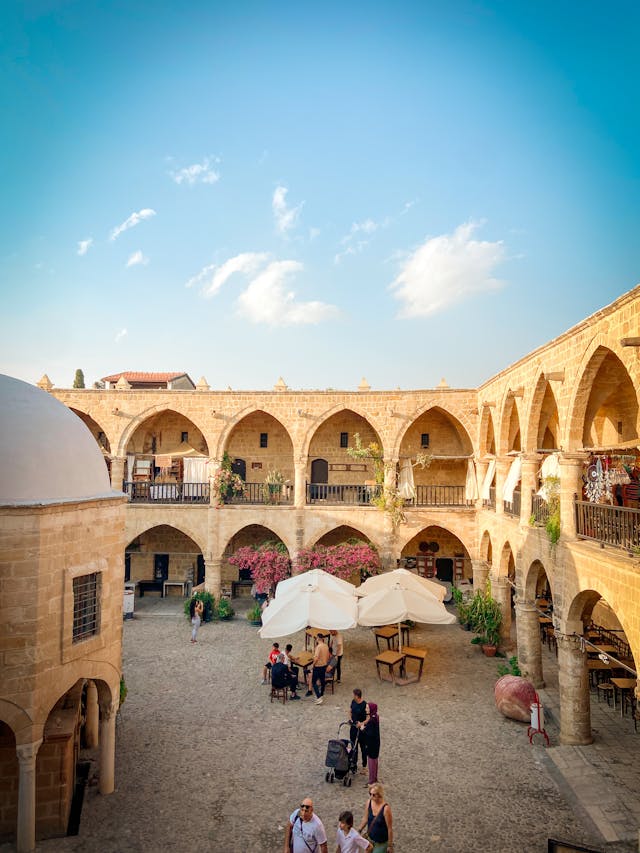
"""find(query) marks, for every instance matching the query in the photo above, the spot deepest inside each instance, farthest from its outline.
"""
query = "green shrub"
(512, 668)
(225, 610)
(208, 603)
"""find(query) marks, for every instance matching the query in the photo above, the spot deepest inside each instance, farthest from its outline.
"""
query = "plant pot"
(255, 622)
(489, 651)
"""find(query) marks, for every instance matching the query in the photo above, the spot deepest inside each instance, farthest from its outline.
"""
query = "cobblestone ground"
(205, 762)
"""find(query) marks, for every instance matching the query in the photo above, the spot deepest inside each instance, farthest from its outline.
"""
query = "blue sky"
(323, 191)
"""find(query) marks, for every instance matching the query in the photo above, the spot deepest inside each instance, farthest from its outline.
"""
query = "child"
(273, 657)
(348, 839)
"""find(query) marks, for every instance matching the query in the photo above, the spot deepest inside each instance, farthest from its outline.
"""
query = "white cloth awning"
(488, 479)
(512, 480)
(406, 486)
(550, 468)
(471, 485)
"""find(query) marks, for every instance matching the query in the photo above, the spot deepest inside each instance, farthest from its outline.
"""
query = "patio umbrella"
(319, 579)
(309, 605)
(397, 603)
(407, 579)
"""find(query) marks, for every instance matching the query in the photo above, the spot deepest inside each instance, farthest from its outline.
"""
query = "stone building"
(61, 575)
(572, 404)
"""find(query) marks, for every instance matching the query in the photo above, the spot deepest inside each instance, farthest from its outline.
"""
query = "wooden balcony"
(167, 493)
(539, 509)
(263, 493)
(616, 526)
(434, 495)
(513, 507)
(491, 503)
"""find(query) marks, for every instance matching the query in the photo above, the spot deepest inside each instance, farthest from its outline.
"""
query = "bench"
(147, 586)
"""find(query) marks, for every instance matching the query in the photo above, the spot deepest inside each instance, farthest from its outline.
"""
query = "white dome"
(47, 454)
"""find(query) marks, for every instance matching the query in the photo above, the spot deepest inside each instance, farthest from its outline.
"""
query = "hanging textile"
(130, 463)
(512, 480)
(195, 469)
(406, 486)
(471, 484)
(488, 479)
(595, 486)
(550, 468)
(163, 461)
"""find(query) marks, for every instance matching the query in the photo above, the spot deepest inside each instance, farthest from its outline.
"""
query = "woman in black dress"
(371, 735)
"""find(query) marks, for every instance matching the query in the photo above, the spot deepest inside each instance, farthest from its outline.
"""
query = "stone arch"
(487, 437)
(136, 422)
(543, 417)
(105, 677)
(531, 577)
(321, 419)
(450, 527)
(19, 722)
(137, 524)
(330, 527)
(486, 548)
(509, 432)
(95, 428)
(605, 389)
(224, 437)
(227, 545)
(459, 420)
(506, 567)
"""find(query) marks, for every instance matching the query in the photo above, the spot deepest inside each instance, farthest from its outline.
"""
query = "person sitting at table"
(293, 669)
(273, 657)
(281, 677)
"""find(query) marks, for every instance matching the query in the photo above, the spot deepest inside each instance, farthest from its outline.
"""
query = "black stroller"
(342, 759)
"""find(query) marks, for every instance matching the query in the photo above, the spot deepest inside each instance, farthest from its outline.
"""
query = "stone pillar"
(480, 570)
(528, 483)
(93, 716)
(213, 575)
(529, 644)
(106, 781)
(388, 550)
(300, 484)
(390, 473)
(117, 472)
(571, 466)
(26, 829)
(502, 469)
(573, 682)
(501, 591)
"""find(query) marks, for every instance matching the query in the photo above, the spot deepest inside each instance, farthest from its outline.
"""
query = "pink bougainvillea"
(267, 564)
(340, 560)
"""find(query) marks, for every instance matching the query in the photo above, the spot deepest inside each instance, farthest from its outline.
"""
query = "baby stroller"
(342, 759)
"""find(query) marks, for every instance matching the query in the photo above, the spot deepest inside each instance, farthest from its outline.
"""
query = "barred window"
(86, 606)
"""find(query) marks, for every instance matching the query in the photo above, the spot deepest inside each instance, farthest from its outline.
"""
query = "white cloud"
(137, 258)
(132, 221)
(286, 217)
(247, 262)
(357, 238)
(445, 270)
(267, 301)
(84, 245)
(201, 173)
(198, 277)
(121, 334)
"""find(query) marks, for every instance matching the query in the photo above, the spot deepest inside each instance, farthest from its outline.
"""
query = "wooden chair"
(279, 693)
(329, 681)
(606, 688)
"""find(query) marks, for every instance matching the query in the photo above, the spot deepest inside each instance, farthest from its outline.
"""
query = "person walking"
(196, 610)
(348, 840)
(321, 658)
(359, 715)
(305, 831)
(371, 733)
(378, 820)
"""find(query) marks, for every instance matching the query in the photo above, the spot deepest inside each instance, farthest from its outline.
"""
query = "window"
(86, 606)
(264, 439)
(184, 436)
(424, 439)
(344, 439)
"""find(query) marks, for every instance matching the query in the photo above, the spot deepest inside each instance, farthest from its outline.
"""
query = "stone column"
(93, 716)
(300, 484)
(106, 781)
(501, 591)
(117, 472)
(529, 644)
(571, 466)
(480, 570)
(502, 469)
(528, 483)
(573, 682)
(213, 575)
(26, 829)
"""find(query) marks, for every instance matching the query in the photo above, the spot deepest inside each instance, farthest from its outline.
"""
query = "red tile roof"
(135, 376)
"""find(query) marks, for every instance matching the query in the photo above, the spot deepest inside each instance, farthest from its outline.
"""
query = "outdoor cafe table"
(390, 659)
(312, 634)
(390, 634)
(596, 666)
(412, 653)
(623, 685)
(303, 659)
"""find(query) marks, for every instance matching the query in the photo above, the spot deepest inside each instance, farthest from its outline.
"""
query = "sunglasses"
(303, 806)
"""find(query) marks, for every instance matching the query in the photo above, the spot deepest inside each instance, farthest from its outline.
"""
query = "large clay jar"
(514, 696)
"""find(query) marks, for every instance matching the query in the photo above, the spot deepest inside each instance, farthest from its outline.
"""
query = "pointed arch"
(321, 420)
(543, 418)
(487, 440)
(510, 435)
(147, 415)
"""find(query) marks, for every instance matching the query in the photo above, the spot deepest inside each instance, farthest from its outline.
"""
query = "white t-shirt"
(308, 835)
(352, 842)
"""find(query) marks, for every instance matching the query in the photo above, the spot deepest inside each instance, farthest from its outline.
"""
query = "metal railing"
(334, 493)
(167, 493)
(278, 494)
(491, 503)
(513, 507)
(433, 495)
(610, 525)
(539, 509)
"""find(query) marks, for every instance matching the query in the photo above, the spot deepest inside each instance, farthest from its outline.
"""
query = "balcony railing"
(513, 507)
(167, 493)
(330, 493)
(539, 509)
(610, 525)
(434, 495)
(491, 503)
(263, 493)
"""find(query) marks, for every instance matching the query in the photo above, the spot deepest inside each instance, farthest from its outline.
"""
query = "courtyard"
(205, 761)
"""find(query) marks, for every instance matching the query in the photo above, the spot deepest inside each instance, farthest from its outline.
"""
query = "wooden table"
(165, 584)
(312, 634)
(412, 653)
(390, 634)
(596, 666)
(390, 659)
(305, 660)
(623, 685)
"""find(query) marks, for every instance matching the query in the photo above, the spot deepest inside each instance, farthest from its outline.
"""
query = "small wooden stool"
(279, 693)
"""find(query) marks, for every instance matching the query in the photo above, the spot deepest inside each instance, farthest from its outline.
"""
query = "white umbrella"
(398, 603)
(407, 579)
(319, 579)
(309, 605)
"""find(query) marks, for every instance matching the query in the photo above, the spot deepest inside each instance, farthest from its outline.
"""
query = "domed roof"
(47, 454)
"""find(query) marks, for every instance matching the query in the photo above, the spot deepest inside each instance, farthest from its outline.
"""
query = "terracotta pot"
(489, 651)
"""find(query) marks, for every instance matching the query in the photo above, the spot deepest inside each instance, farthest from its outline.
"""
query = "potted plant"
(486, 618)
(225, 610)
(208, 606)
(255, 615)
(225, 484)
(272, 488)
(463, 607)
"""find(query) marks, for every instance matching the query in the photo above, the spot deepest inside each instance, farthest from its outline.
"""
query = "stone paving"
(205, 761)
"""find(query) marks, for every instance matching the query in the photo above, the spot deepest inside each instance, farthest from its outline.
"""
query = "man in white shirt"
(306, 831)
